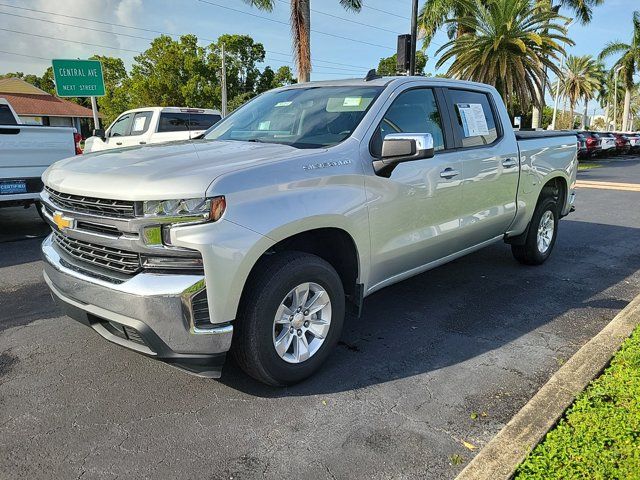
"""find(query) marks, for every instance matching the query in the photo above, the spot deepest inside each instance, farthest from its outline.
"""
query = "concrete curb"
(502, 455)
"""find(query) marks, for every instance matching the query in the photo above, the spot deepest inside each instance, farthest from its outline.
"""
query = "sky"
(340, 47)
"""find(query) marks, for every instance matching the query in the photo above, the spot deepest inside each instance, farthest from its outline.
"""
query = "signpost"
(79, 78)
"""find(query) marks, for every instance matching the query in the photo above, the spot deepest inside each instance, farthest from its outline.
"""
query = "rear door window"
(475, 120)
(141, 121)
(6, 116)
(183, 122)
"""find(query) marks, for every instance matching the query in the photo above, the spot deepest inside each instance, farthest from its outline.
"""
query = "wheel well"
(333, 245)
(556, 188)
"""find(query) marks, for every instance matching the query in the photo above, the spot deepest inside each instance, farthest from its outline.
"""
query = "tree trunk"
(627, 107)
(301, 32)
(606, 117)
(585, 114)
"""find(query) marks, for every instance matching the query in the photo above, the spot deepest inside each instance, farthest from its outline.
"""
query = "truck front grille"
(92, 205)
(123, 261)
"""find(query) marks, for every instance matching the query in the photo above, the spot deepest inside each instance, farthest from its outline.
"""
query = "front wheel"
(541, 236)
(290, 319)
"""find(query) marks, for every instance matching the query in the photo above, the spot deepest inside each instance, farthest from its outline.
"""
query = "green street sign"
(78, 78)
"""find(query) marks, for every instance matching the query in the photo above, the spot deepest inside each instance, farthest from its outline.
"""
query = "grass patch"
(599, 436)
(588, 166)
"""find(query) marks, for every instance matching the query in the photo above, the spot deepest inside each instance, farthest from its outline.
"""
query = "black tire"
(529, 253)
(276, 275)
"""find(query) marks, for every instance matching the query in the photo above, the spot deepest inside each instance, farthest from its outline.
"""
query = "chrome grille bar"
(92, 205)
(111, 258)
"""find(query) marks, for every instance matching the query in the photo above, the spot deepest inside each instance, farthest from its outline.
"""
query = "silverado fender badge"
(315, 166)
(63, 222)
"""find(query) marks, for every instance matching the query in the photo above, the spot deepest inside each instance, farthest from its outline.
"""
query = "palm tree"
(300, 18)
(435, 14)
(628, 62)
(581, 80)
(508, 44)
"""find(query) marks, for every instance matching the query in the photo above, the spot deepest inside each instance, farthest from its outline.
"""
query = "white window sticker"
(351, 101)
(474, 123)
(138, 125)
(283, 104)
(264, 125)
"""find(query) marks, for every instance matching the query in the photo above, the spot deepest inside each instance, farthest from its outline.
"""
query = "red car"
(623, 145)
(592, 143)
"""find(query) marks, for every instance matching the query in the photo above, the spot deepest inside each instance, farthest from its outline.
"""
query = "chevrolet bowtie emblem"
(62, 222)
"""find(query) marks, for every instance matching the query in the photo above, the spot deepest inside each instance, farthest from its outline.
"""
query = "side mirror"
(403, 147)
(99, 132)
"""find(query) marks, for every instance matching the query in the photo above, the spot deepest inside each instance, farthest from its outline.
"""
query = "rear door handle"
(449, 173)
(509, 163)
(143, 143)
(118, 143)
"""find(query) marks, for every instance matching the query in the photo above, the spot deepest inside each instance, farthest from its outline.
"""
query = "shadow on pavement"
(468, 307)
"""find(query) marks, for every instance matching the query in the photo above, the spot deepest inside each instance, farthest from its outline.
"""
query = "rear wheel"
(291, 318)
(541, 237)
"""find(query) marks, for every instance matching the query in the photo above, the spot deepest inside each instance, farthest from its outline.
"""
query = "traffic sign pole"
(94, 107)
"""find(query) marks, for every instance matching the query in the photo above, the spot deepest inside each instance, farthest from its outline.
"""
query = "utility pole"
(224, 83)
(94, 107)
(414, 37)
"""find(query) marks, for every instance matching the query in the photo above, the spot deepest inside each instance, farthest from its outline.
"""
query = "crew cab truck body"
(147, 125)
(258, 237)
(25, 153)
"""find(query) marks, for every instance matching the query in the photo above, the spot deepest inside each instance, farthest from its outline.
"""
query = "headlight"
(186, 210)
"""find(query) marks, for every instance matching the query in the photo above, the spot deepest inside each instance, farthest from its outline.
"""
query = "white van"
(152, 125)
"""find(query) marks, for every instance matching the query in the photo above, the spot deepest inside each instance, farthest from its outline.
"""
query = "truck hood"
(157, 172)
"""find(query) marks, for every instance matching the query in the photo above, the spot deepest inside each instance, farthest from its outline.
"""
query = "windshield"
(312, 117)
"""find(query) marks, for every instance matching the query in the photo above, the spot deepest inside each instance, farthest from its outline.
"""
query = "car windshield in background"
(312, 117)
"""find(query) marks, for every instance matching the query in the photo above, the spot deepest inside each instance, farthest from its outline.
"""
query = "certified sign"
(78, 78)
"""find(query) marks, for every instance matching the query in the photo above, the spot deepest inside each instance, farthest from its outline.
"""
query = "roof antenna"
(371, 75)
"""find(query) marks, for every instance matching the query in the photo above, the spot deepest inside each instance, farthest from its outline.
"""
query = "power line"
(48, 59)
(385, 12)
(287, 23)
(131, 27)
(70, 41)
(346, 19)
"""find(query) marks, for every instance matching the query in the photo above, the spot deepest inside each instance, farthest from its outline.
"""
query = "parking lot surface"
(434, 368)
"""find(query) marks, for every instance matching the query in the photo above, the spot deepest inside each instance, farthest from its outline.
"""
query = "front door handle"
(509, 163)
(449, 173)
(143, 143)
(118, 143)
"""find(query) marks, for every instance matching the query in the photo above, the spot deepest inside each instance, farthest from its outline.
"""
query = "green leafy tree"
(508, 44)
(241, 56)
(270, 79)
(389, 65)
(117, 84)
(300, 19)
(174, 72)
(628, 62)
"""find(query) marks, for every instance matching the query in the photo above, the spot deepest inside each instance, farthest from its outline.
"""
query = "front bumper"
(149, 313)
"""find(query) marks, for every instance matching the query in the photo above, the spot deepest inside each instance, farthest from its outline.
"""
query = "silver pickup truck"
(261, 235)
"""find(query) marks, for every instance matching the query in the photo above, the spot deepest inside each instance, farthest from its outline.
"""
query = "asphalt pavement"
(434, 368)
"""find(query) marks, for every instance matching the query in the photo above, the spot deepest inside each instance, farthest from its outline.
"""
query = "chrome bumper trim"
(148, 302)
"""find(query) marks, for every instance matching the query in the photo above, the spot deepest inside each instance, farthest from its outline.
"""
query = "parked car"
(25, 152)
(583, 152)
(607, 143)
(147, 125)
(623, 145)
(260, 235)
(592, 142)
(634, 142)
